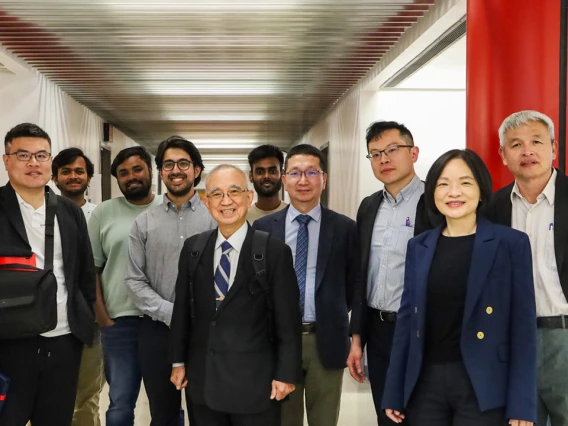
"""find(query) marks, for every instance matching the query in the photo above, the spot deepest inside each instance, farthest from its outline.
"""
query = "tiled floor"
(356, 405)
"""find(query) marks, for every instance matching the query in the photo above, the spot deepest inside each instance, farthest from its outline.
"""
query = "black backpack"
(259, 243)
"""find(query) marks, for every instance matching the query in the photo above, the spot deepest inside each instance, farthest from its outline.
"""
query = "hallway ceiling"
(229, 75)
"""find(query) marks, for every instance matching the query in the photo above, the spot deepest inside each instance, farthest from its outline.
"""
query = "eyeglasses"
(391, 151)
(309, 174)
(233, 194)
(41, 156)
(182, 164)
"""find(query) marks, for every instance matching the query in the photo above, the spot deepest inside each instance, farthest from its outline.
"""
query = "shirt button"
(181, 236)
(214, 323)
(416, 309)
(418, 334)
(180, 218)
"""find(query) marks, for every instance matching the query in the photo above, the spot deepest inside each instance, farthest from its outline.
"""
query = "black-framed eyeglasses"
(309, 174)
(389, 152)
(182, 164)
(41, 156)
(233, 194)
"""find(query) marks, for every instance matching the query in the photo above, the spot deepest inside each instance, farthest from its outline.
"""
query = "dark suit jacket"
(229, 356)
(502, 362)
(77, 256)
(337, 274)
(365, 222)
(500, 210)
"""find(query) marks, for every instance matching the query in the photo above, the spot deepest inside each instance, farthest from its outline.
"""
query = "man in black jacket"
(43, 369)
(236, 355)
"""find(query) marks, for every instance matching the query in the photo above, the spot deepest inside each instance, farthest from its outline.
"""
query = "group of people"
(457, 294)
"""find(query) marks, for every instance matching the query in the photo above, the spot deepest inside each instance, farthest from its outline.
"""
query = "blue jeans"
(122, 369)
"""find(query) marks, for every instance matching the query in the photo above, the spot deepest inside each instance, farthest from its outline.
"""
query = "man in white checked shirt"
(236, 356)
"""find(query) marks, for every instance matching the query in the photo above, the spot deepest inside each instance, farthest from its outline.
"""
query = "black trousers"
(43, 376)
(379, 343)
(205, 416)
(444, 396)
(164, 398)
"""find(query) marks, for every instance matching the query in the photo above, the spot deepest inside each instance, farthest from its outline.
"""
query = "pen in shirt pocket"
(551, 226)
(407, 222)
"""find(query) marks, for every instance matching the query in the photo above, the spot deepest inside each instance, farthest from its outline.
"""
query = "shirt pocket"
(549, 252)
(404, 233)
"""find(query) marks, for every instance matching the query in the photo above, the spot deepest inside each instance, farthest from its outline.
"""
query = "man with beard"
(156, 240)
(71, 171)
(266, 163)
(109, 228)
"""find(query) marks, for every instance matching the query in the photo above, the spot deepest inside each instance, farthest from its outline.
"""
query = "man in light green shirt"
(109, 227)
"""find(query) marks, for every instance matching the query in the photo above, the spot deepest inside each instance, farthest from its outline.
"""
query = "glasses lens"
(216, 196)
(184, 164)
(392, 150)
(312, 174)
(168, 165)
(23, 155)
(233, 193)
(294, 175)
(42, 156)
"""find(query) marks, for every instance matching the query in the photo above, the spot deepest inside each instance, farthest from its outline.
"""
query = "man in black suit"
(44, 369)
(237, 352)
(537, 203)
(324, 245)
(386, 220)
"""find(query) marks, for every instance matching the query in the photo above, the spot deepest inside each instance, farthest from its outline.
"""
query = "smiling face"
(230, 213)
(305, 192)
(457, 192)
(528, 151)
(134, 178)
(266, 177)
(397, 170)
(179, 182)
(72, 178)
(27, 175)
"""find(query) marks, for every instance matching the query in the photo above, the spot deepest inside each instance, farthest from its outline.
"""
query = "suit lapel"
(560, 222)
(245, 271)
(504, 214)
(424, 255)
(325, 244)
(366, 228)
(9, 203)
(484, 252)
(279, 224)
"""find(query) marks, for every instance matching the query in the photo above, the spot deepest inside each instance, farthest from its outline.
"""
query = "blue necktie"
(301, 263)
(222, 274)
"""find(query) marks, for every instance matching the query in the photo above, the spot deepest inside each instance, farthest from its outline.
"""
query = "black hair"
(68, 156)
(126, 153)
(25, 130)
(265, 151)
(187, 146)
(474, 162)
(305, 149)
(376, 129)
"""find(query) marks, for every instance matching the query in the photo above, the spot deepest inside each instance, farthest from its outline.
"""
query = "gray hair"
(516, 120)
(224, 167)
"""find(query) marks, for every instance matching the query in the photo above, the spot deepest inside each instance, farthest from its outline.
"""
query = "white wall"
(436, 119)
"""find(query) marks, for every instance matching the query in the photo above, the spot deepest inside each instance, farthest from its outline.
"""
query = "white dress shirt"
(537, 221)
(236, 240)
(34, 221)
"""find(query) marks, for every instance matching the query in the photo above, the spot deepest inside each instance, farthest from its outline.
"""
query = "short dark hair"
(305, 149)
(126, 153)
(68, 156)
(376, 129)
(25, 130)
(181, 143)
(265, 151)
(473, 161)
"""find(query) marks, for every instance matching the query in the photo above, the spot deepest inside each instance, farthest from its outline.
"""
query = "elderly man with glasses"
(155, 243)
(235, 332)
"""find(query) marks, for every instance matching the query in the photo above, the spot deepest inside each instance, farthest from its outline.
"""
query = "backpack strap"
(196, 252)
(259, 244)
(51, 207)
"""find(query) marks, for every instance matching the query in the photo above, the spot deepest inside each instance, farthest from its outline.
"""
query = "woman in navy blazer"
(464, 350)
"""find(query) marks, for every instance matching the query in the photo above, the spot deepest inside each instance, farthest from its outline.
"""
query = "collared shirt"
(236, 241)
(88, 209)
(155, 243)
(34, 221)
(537, 221)
(292, 228)
(394, 226)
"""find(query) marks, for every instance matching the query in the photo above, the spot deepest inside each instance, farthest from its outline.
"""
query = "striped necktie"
(301, 262)
(222, 274)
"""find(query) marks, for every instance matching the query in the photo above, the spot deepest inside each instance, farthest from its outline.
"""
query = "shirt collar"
(236, 240)
(314, 213)
(549, 191)
(191, 203)
(406, 192)
(21, 202)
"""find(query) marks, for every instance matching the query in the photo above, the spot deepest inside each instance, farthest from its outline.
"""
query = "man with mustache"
(71, 171)
(156, 240)
(266, 163)
(117, 315)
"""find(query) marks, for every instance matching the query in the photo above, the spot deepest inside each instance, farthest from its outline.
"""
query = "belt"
(308, 327)
(385, 316)
(552, 322)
